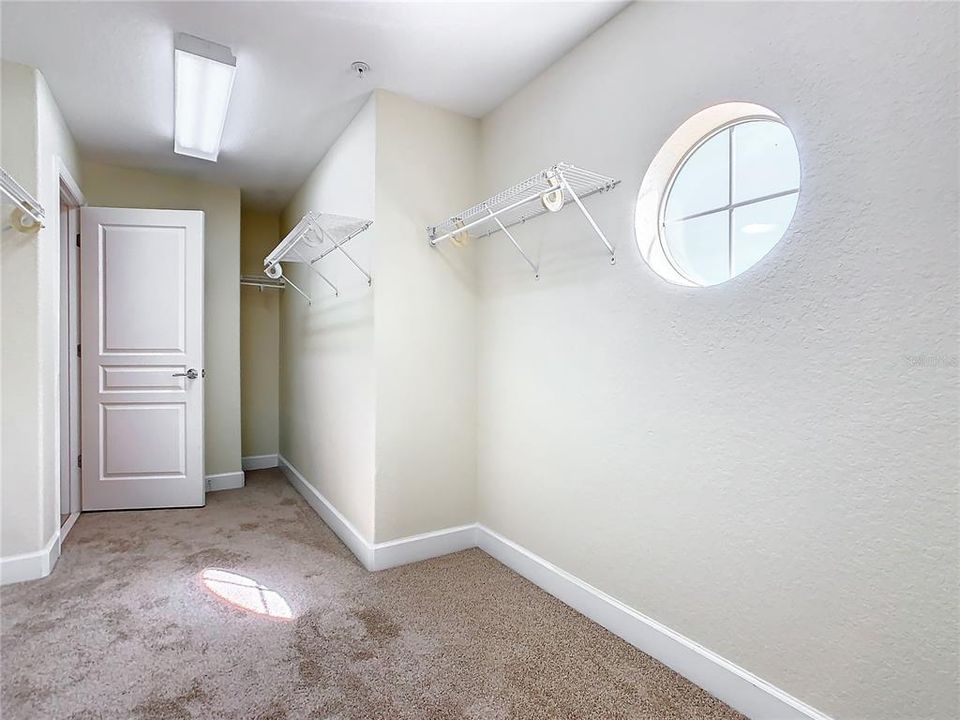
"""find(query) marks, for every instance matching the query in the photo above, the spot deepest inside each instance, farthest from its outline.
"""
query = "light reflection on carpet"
(245, 594)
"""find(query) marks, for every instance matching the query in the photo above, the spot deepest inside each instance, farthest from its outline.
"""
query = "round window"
(725, 193)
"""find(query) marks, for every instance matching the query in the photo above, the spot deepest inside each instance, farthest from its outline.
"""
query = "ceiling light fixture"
(203, 80)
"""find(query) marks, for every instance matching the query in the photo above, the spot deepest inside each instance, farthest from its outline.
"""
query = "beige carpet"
(126, 627)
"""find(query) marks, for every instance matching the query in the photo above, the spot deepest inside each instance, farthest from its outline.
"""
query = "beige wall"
(35, 138)
(763, 465)
(55, 144)
(378, 386)
(18, 123)
(259, 338)
(111, 186)
(425, 310)
(20, 489)
(326, 357)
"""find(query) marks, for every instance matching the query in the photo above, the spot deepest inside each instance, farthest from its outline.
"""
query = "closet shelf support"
(318, 273)
(297, 288)
(566, 186)
(536, 270)
(337, 246)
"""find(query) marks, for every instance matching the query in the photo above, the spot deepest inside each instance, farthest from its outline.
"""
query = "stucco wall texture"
(768, 466)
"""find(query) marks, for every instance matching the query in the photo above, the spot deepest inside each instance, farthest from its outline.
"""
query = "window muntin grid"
(730, 199)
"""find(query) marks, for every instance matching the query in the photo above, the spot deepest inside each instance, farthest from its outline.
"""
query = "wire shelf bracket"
(29, 215)
(311, 240)
(550, 190)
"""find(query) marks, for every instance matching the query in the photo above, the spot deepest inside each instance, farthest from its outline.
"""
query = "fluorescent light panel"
(204, 73)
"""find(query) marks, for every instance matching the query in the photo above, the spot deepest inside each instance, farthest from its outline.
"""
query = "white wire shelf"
(311, 240)
(550, 190)
(31, 211)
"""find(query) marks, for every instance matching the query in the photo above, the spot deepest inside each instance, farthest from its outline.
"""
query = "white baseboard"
(259, 462)
(225, 481)
(415, 548)
(741, 690)
(31, 566)
(385, 555)
(738, 688)
(342, 527)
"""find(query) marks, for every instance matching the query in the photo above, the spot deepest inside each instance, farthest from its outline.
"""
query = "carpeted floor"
(126, 628)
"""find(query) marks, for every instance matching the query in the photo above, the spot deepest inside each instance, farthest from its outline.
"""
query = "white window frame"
(729, 207)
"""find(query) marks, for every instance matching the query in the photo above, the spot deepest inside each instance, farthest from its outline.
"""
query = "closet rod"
(262, 283)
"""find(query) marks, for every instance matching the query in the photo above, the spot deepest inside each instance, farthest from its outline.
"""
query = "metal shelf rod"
(261, 283)
(347, 239)
(469, 225)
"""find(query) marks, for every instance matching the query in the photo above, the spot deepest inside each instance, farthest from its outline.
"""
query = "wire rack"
(311, 240)
(314, 236)
(516, 205)
(32, 211)
(550, 190)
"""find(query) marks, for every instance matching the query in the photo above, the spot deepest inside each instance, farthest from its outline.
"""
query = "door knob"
(190, 374)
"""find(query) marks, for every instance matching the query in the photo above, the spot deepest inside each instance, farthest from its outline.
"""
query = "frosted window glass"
(700, 248)
(765, 160)
(758, 227)
(703, 181)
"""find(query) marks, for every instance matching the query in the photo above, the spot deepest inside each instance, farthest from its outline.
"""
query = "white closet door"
(142, 358)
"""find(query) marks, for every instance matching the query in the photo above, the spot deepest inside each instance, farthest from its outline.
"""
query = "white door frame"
(70, 195)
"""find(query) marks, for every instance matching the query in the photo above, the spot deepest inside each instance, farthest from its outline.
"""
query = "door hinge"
(79, 461)
(78, 239)
(78, 349)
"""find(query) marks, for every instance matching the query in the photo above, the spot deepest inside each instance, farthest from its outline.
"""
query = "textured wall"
(259, 339)
(764, 465)
(426, 318)
(326, 350)
(111, 186)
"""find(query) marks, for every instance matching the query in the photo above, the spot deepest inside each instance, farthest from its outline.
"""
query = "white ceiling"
(110, 67)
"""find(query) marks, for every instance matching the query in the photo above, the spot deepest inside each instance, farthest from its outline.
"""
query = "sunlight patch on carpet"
(245, 594)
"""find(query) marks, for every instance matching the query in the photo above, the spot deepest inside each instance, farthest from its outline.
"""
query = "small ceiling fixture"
(360, 68)
(203, 80)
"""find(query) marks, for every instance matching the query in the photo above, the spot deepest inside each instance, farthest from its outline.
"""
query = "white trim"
(225, 481)
(415, 548)
(74, 194)
(31, 566)
(68, 526)
(380, 556)
(342, 527)
(727, 681)
(259, 462)
(67, 189)
(741, 690)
